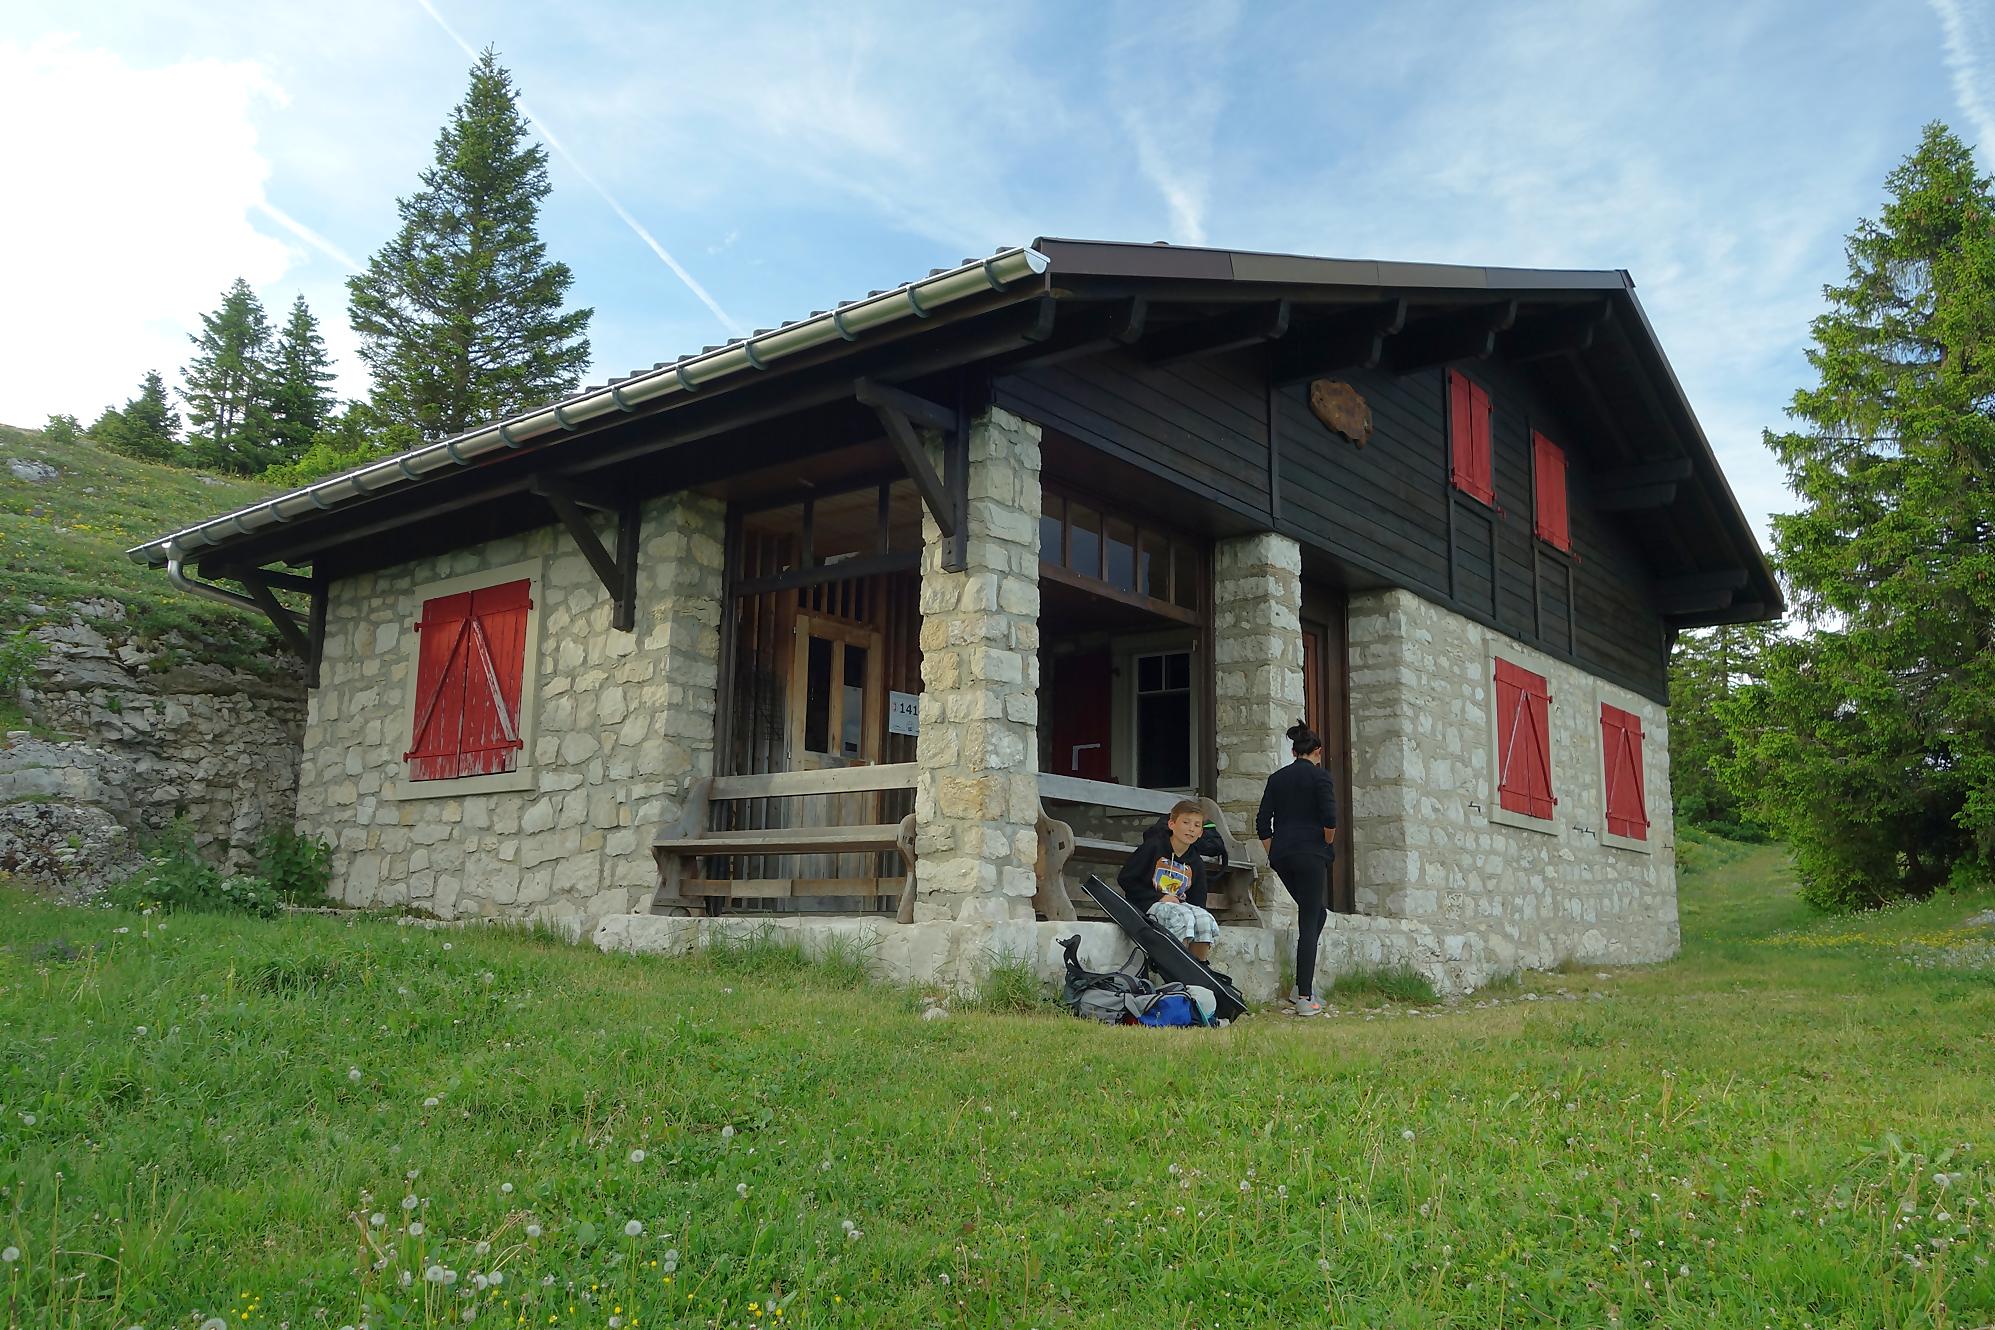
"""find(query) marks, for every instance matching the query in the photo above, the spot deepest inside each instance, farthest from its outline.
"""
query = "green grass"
(1750, 1136)
(63, 541)
(1383, 983)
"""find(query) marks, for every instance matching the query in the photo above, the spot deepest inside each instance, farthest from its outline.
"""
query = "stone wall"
(1428, 848)
(1257, 661)
(621, 723)
(976, 800)
(139, 741)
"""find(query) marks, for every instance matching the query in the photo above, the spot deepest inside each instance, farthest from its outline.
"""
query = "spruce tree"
(300, 395)
(460, 315)
(227, 385)
(1706, 669)
(1871, 744)
(146, 426)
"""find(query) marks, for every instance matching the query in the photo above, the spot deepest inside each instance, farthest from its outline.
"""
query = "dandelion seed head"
(409, 1201)
(637, 1156)
(741, 1190)
(430, 1102)
(496, 1278)
(633, 1229)
(353, 1074)
(1406, 1135)
(27, 1119)
(505, 1189)
(727, 1132)
(10, 1255)
(533, 1230)
(376, 1220)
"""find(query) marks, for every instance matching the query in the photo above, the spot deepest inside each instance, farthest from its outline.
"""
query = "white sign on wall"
(903, 713)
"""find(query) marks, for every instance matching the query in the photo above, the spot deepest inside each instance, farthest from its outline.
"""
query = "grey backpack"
(1104, 996)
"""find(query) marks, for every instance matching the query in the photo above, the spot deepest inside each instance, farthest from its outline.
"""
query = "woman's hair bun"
(1297, 730)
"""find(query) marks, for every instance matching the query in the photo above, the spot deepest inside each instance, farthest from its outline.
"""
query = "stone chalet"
(894, 622)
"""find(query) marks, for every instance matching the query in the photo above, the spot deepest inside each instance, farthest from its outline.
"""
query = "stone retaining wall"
(621, 724)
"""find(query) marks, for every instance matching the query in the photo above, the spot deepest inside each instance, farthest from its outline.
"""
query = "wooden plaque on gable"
(1341, 409)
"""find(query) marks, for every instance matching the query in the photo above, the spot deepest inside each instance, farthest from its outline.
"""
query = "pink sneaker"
(1307, 1006)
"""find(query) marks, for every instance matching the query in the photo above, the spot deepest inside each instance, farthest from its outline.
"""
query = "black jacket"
(1137, 876)
(1300, 801)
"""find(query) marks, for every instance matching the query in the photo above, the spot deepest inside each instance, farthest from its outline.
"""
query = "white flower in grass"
(846, 1224)
(1683, 1272)
(942, 1279)
(214, 1323)
(408, 1278)
(669, 1262)
(616, 1323)
(1323, 1264)
(141, 1030)
(497, 1278)
(416, 1228)
(483, 1248)
(27, 1119)
(741, 1190)
(434, 1274)
(353, 1074)
(446, 946)
(430, 1102)
(376, 1220)
(727, 1132)
(10, 1255)
(505, 1189)
(409, 1202)
(533, 1230)
(633, 1229)
(1406, 1135)
(637, 1156)
(1246, 1185)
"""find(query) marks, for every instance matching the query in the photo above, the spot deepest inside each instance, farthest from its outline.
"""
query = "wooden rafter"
(1468, 334)
(1351, 339)
(1210, 337)
(618, 573)
(946, 495)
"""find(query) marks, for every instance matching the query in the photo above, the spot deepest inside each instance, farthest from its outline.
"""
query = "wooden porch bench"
(1229, 890)
(679, 848)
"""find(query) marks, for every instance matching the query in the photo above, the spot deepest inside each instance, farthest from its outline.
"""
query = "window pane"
(1177, 670)
(817, 697)
(1084, 540)
(1187, 588)
(1149, 673)
(852, 739)
(1121, 554)
(1163, 741)
(1052, 525)
(1153, 568)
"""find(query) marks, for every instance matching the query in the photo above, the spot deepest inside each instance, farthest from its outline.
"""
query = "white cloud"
(134, 190)
(1967, 39)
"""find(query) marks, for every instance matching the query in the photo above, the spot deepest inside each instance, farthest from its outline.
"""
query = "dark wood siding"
(1386, 510)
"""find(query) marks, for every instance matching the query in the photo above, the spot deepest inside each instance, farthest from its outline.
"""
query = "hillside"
(63, 542)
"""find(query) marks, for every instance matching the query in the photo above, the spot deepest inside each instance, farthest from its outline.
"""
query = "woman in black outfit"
(1298, 829)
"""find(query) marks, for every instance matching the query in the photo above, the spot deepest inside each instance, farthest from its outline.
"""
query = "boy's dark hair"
(1183, 806)
(1302, 740)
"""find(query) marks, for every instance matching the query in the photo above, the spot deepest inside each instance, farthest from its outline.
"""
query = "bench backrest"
(1119, 798)
(832, 780)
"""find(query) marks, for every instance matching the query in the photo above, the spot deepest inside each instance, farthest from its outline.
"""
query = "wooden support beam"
(1566, 331)
(1467, 335)
(1214, 336)
(618, 574)
(1725, 579)
(1739, 611)
(1351, 339)
(1665, 471)
(865, 565)
(281, 618)
(898, 411)
(1634, 499)
(1671, 604)
(315, 633)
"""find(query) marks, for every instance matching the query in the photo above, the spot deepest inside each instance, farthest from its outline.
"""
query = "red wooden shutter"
(495, 661)
(469, 667)
(439, 714)
(1468, 438)
(1548, 475)
(1523, 741)
(1621, 753)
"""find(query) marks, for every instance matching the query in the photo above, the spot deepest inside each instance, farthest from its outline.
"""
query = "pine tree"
(459, 316)
(228, 387)
(1871, 744)
(147, 426)
(300, 394)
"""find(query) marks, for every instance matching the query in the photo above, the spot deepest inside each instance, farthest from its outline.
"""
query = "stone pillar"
(976, 799)
(1257, 659)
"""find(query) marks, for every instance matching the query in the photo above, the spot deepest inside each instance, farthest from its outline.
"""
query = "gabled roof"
(1617, 365)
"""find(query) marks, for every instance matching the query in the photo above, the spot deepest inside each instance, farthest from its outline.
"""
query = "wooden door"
(836, 707)
(1082, 704)
(1326, 691)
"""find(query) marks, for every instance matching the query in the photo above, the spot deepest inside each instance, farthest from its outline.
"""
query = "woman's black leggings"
(1307, 877)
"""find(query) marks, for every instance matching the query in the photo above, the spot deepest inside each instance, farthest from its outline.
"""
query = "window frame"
(524, 775)
(1189, 692)
(1537, 663)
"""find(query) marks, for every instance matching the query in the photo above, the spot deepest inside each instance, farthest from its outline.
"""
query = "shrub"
(18, 654)
(1009, 986)
(296, 867)
(176, 877)
(62, 428)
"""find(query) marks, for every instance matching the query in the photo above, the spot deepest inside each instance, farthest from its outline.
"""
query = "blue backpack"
(1171, 1009)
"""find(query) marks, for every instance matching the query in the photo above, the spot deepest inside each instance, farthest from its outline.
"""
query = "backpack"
(1098, 995)
(1209, 846)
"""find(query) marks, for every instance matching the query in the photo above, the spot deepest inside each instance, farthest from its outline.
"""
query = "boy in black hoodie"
(1166, 881)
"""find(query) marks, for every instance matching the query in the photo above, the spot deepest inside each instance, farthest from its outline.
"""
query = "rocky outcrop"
(124, 742)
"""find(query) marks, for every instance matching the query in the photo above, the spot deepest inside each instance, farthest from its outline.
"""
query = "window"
(1621, 754)
(1163, 720)
(1117, 553)
(1523, 742)
(470, 669)
(1468, 438)
(1548, 492)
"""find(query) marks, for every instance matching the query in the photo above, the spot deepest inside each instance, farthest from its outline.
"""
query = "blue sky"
(787, 156)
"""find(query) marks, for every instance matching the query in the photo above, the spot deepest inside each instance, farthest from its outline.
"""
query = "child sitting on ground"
(1166, 880)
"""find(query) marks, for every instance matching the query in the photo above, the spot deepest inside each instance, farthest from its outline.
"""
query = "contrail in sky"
(1964, 37)
(651, 241)
(307, 234)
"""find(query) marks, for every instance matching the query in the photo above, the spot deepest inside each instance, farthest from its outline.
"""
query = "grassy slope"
(64, 541)
(1748, 1136)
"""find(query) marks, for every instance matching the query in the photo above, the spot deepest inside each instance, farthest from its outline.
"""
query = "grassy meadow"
(335, 1122)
